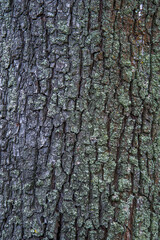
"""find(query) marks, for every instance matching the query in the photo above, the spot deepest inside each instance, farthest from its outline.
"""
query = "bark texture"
(79, 120)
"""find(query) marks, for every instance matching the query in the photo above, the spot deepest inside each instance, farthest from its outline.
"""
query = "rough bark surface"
(79, 120)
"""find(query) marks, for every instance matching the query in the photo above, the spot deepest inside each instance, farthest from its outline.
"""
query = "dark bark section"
(79, 120)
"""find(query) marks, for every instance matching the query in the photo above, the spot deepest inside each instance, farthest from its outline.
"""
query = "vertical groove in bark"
(79, 120)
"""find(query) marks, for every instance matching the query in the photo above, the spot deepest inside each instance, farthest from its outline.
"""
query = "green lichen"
(39, 102)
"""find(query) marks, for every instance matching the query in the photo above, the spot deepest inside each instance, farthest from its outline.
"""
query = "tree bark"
(79, 120)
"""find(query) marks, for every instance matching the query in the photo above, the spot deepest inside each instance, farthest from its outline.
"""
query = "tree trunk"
(79, 120)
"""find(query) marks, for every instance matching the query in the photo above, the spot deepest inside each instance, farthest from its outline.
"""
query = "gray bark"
(79, 120)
